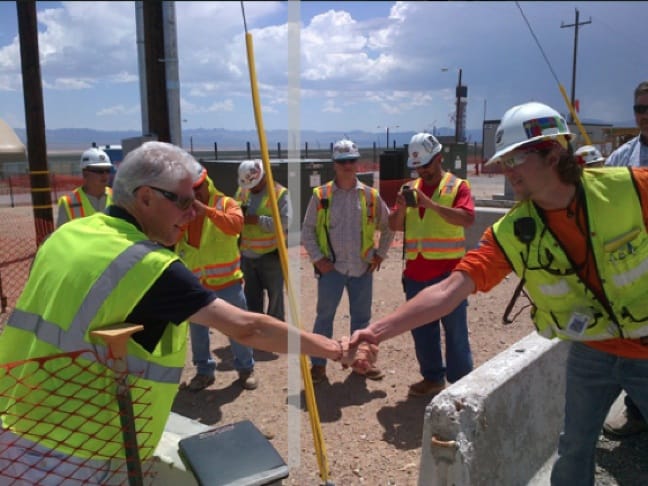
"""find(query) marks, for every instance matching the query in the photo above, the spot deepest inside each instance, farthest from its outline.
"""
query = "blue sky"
(363, 64)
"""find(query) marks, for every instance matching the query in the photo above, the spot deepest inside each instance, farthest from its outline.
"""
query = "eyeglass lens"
(182, 202)
(640, 109)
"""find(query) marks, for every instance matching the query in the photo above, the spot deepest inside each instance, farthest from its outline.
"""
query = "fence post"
(11, 198)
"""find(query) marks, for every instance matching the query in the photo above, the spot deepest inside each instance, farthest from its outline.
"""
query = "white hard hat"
(198, 172)
(250, 173)
(529, 122)
(95, 158)
(345, 150)
(422, 148)
(590, 154)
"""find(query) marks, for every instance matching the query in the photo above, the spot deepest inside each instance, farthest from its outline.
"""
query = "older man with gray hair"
(100, 271)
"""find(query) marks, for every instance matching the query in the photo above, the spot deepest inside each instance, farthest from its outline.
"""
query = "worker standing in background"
(590, 156)
(634, 153)
(341, 221)
(258, 244)
(583, 264)
(94, 194)
(209, 248)
(433, 211)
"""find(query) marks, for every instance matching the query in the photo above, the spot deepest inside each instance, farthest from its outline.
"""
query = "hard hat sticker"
(544, 126)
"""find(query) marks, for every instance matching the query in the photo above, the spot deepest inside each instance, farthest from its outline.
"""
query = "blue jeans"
(594, 380)
(264, 273)
(329, 292)
(427, 340)
(202, 357)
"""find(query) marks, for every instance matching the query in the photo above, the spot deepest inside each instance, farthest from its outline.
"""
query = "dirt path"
(372, 431)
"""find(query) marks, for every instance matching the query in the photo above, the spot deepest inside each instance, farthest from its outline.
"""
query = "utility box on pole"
(455, 158)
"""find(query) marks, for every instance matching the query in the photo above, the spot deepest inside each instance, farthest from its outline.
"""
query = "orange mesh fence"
(18, 238)
(62, 422)
(17, 250)
(15, 190)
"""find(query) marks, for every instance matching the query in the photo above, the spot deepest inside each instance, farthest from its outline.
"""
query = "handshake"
(359, 356)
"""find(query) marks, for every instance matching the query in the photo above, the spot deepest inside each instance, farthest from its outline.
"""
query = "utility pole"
(576, 24)
(156, 79)
(35, 120)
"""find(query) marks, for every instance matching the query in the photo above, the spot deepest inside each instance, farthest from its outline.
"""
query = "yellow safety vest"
(432, 236)
(77, 205)
(217, 262)
(563, 304)
(56, 312)
(253, 238)
(368, 204)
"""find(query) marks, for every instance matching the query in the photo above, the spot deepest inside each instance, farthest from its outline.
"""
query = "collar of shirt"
(358, 185)
(119, 212)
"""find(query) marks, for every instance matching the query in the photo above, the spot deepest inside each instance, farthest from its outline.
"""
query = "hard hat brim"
(506, 150)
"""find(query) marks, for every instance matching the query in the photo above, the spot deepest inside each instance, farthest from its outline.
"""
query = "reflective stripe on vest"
(368, 206)
(253, 238)
(217, 262)
(120, 265)
(72, 338)
(564, 305)
(77, 204)
(448, 240)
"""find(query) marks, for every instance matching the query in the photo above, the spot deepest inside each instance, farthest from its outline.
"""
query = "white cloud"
(362, 63)
(67, 84)
(119, 110)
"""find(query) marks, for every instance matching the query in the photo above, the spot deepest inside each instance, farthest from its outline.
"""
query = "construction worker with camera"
(432, 211)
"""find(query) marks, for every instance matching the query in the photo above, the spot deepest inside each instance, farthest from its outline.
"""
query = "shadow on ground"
(622, 462)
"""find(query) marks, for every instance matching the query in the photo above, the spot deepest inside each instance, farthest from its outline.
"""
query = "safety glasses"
(516, 158)
(640, 109)
(97, 171)
(181, 202)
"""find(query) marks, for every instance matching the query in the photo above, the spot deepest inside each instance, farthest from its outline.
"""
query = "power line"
(576, 25)
(538, 43)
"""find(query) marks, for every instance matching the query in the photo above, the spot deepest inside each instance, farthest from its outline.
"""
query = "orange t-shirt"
(487, 265)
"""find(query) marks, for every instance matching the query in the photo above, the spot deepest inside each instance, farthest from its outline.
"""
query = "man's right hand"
(363, 336)
(324, 265)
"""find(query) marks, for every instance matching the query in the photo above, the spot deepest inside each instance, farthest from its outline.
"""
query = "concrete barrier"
(484, 217)
(499, 424)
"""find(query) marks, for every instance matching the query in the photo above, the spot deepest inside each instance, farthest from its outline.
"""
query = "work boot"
(374, 373)
(248, 379)
(624, 424)
(200, 382)
(318, 373)
(425, 387)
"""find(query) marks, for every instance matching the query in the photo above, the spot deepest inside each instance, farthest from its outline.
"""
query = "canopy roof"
(11, 148)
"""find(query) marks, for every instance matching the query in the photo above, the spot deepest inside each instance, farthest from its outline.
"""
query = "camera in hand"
(410, 197)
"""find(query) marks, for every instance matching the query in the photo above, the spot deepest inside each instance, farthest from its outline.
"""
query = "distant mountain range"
(204, 138)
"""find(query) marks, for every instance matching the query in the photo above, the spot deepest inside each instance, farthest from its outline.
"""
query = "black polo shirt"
(174, 297)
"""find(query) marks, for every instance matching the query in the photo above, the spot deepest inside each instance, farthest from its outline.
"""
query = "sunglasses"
(346, 161)
(640, 109)
(98, 171)
(181, 202)
(516, 159)
(426, 166)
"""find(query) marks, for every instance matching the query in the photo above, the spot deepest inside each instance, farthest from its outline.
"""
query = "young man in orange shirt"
(585, 268)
